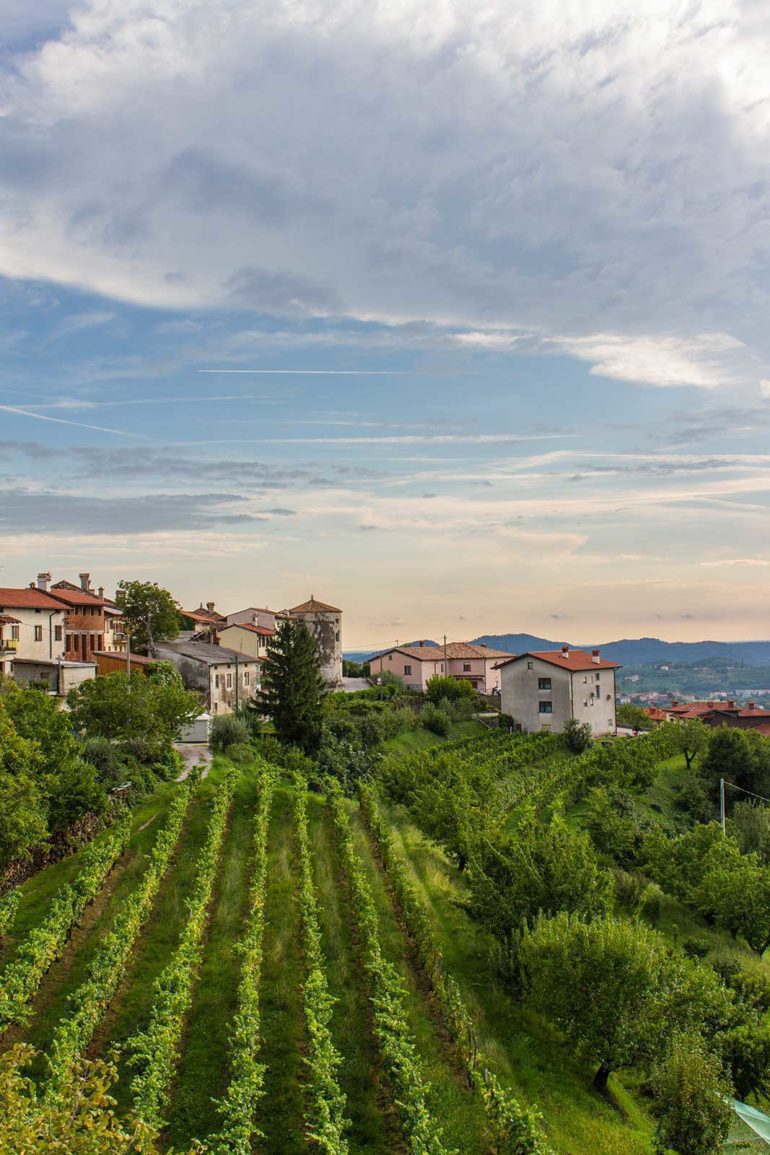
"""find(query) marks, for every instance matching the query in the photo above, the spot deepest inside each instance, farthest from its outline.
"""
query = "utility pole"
(722, 805)
(237, 700)
(446, 660)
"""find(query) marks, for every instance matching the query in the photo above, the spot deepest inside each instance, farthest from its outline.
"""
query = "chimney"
(422, 643)
(595, 657)
(210, 607)
(730, 704)
(101, 591)
(85, 581)
(565, 651)
(751, 706)
(43, 582)
(674, 701)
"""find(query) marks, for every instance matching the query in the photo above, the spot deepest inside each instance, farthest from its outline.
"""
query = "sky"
(451, 313)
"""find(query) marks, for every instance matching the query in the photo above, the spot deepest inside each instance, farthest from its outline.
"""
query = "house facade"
(466, 661)
(253, 616)
(543, 690)
(224, 678)
(9, 643)
(85, 622)
(246, 638)
(38, 626)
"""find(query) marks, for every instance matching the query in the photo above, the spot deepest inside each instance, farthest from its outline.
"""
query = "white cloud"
(760, 562)
(547, 169)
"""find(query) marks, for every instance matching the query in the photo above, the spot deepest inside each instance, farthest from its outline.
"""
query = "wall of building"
(256, 617)
(412, 672)
(244, 641)
(229, 687)
(575, 694)
(51, 644)
(480, 672)
(326, 629)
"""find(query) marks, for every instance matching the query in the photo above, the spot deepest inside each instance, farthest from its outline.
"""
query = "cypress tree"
(293, 690)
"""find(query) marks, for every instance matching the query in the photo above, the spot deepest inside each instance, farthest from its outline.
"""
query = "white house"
(224, 678)
(38, 626)
(246, 638)
(543, 689)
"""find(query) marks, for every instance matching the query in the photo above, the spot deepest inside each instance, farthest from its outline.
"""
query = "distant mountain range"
(628, 651)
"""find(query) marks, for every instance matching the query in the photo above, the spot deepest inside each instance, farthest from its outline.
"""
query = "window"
(598, 676)
(38, 633)
(216, 681)
(15, 632)
(229, 681)
(407, 669)
(245, 677)
(466, 667)
(57, 633)
(543, 683)
(530, 665)
(545, 707)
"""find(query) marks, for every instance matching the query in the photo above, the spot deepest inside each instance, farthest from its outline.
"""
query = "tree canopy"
(292, 691)
(150, 613)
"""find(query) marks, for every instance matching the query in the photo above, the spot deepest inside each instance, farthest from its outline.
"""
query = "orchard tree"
(23, 824)
(734, 892)
(690, 738)
(132, 709)
(742, 757)
(150, 613)
(292, 691)
(692, 1099)
(540, 870)
(606, 984)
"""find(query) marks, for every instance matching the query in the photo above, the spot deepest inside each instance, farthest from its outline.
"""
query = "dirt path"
(193, 754)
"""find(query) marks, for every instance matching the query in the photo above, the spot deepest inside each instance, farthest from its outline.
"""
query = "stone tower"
(325, 624)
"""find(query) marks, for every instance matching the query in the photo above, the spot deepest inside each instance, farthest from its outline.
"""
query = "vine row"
(326, 1122)
(45, 943)
(238, 1106)
(108, 966)
(155, 1051)
(391, 1026)
(9, 904)
(513, 1129)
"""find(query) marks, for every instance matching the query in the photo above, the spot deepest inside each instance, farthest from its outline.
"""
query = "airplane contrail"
(317, 372)
(63, 421)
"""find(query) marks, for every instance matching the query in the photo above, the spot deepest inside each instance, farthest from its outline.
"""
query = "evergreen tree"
(292, 687)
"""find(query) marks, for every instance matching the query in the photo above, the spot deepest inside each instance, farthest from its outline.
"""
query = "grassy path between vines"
(66, 975)
(203, 1070)
(281, 1113)
(131, 1008)
(451, 1101)
(528, 1056)
(374, 1124)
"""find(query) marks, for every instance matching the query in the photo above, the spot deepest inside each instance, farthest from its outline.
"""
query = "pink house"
(416, 665)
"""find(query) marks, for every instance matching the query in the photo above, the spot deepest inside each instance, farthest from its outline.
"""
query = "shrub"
(453, 689)
(227, 731)
(577, 736)
(435, 719)
(650, 903)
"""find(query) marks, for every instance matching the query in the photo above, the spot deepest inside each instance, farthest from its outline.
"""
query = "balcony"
(8, 645)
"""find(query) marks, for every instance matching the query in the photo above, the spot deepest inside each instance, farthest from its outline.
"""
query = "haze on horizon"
(452, 315)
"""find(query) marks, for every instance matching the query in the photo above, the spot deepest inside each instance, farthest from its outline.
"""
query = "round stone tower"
(325, 624)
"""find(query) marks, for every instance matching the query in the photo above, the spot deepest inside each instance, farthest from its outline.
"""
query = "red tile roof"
(655, 714)
(454, 651)
(573, 660)
(77, 598)
(209, 619)
(6, 620)
(28, 599)
(263, 630)
(312, 606)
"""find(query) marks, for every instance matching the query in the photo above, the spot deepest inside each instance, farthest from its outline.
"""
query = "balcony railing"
(8, 645)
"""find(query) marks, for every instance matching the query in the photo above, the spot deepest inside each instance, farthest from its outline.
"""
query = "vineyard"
(276, 969)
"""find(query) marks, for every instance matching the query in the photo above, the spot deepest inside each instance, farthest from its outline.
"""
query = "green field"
(528, 1057)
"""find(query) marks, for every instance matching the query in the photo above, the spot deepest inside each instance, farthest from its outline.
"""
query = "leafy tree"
(577, 736)
(539, 870)
(132, 709)
(735, 893)
(453, 689)
(633, 717)
(23, 824)
(292, 692)
(614, 824)
(606, 984)
(226, 731)
(84, 1123)
(692, 1099)
(677, 863)
(746, 1051)
(150, 613)
(68, 783)
(751, 826)
(742, 757)
(690, 738)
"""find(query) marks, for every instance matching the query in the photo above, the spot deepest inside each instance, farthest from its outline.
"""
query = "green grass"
(281, 1114)
(203, 1071)
(526, 1053)
(374, 1125)
(51, 1003)
(130, 1010)
(451, 1102)
(412, 741)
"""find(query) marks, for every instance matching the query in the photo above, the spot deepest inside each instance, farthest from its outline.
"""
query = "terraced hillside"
(283, 971)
